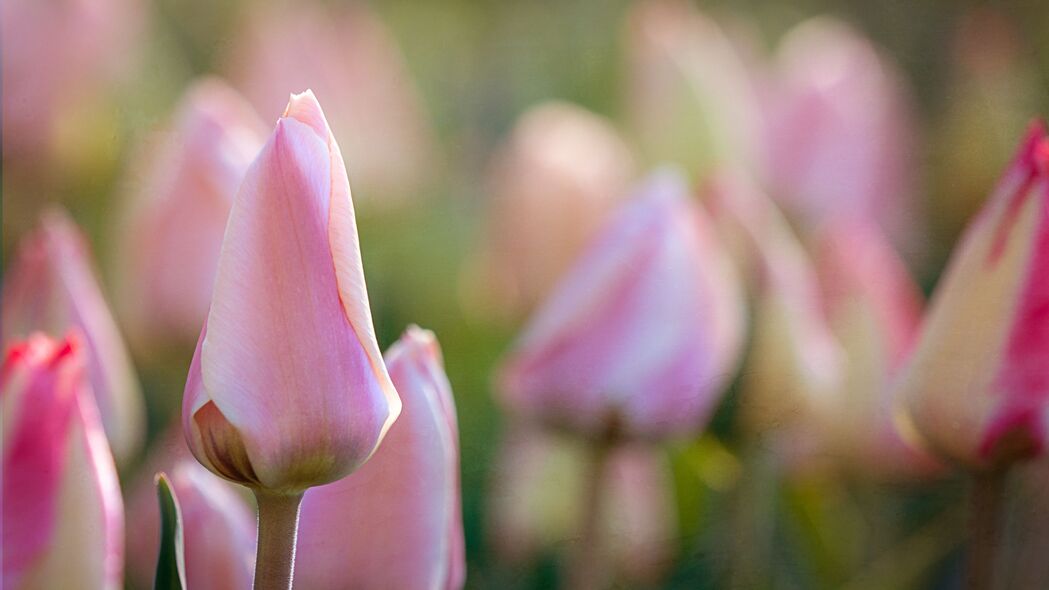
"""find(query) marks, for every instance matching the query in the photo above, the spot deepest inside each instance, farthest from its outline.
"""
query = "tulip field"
(434, 295)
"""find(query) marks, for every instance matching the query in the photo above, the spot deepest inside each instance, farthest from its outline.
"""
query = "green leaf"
(171, 567)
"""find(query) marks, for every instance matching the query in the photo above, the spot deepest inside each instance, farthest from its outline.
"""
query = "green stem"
(587, 569)
(278, 531)
(986, 499)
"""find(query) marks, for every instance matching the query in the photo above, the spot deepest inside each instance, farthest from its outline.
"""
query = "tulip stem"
(986, 499)
(278, 531)
(586, 570)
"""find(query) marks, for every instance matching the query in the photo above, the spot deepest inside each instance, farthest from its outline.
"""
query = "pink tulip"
(873, 307)
(794, 362)
(690, 96)
(175, 227)
(51, 286)
(554, 183)
(348, 57)
(396, 522)
(534, 506)
(62, 513)
(976, 388)
(287, 388)
(218, 528)
(55, 55)
(840, 137)
(642, 334)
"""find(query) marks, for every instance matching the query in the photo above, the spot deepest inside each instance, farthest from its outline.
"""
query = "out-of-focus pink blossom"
(642, 334)
(61, 506)
(174, 230)
(287, 388)
(874, 308)
(54, 55)
(397, 521)
(841, 138)
(553, 184)
(977, 387)
(534, 504)
(218, 528)
(52, 287)
(349, 58)
(690, 96)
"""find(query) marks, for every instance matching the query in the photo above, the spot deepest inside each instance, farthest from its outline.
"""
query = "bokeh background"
(453, 78)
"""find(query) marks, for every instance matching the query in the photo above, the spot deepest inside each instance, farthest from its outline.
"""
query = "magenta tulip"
(976, 387)
(555, 182)
(178, 215)
(52, 287)
(641, 335)
(287, 388)
(350, 59)
(396, 522)
(61, 506)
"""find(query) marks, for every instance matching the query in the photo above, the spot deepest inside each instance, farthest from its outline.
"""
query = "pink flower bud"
(534, 505)
(690, 97)
(287, 388)
(178, 216)
(350, 59)
(641, 335)
(396, 522)
(840, 139)
(62, 513)
(554, 183)
(52, 287)
(873, 307)
(218, 528)
(976, 388)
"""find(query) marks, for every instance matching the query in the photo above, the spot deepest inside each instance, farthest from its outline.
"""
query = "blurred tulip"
(287, 388)
(874, 308)
(554, 183)
(535, 503)
(350, 59)
(174, 231)
(56, 54)
(841, 139)
(794, 363)
(51, 287)
(642, 334)
(218, 528)
(62, 513)
(975, 389)
(396, 522)
(690, 96)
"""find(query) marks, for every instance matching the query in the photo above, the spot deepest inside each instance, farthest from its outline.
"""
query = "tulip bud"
(62, 513)
(975, 388)
(396, 522)
(348, 57)
(535, 501)
(176, 223)
(794, 363)
(218, 528)
(690, 97)
(554, 184)
(641, 335)
(873, 307)
(287, 388)
(832, 88)
(52, 287)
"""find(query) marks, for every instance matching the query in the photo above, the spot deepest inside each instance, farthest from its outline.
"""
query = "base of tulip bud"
(986, 503)
(587, 568)
(278, 533)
